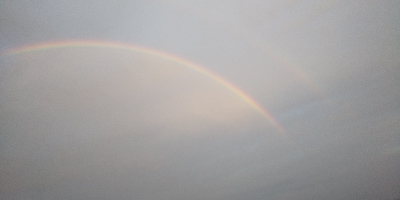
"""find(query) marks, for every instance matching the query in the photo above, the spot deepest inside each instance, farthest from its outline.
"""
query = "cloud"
(93, 123)
(106, 119)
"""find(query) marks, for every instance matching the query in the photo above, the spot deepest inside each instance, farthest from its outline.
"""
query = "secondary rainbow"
(177, 59)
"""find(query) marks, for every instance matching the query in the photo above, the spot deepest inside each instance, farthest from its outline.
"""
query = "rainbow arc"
(164, 55)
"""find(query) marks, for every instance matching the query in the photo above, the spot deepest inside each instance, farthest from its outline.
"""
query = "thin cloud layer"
(107, 124)
(88, 120)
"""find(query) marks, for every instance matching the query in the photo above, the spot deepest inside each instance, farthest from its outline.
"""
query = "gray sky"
(112, 123)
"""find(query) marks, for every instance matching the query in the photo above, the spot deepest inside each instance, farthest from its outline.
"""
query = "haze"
(86, 122)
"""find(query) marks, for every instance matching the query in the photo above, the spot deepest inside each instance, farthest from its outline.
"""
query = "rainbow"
(167, 56)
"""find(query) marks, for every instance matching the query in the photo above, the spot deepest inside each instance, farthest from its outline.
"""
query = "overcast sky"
(88, 122)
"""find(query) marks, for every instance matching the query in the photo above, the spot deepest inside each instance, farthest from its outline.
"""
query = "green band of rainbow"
(116, 45)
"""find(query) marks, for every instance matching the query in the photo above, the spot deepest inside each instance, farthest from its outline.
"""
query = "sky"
(173, 99)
